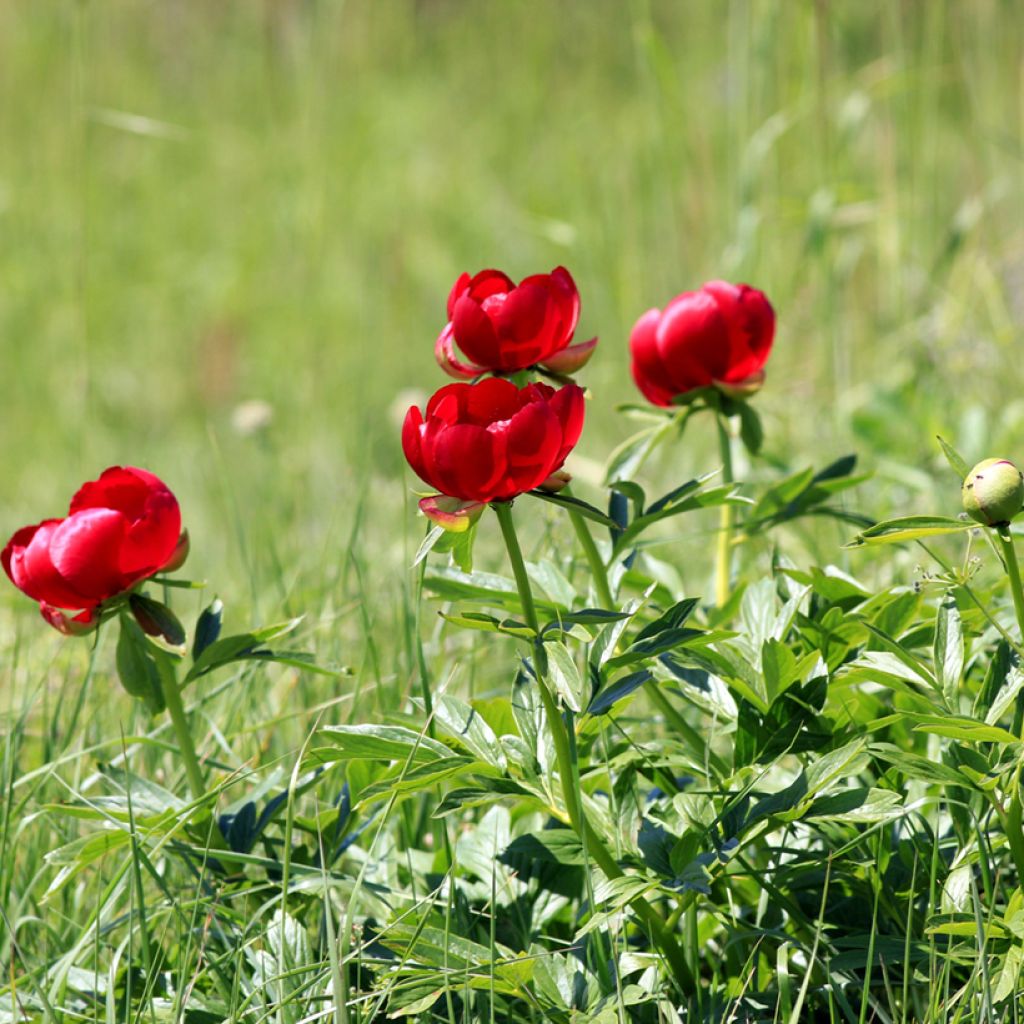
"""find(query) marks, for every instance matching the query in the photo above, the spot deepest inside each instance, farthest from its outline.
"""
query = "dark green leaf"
(619, 690)
(207, 627)
(751, 430)
(156, 619)
(136, 665)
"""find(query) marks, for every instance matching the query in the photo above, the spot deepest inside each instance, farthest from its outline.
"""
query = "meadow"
(205, 206)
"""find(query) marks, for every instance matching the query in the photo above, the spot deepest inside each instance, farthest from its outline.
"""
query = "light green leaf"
(907, 528)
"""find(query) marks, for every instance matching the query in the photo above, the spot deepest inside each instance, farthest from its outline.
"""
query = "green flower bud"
(993, 492)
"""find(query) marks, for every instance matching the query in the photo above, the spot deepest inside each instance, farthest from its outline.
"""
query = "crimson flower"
(503, 327)
(719, 336)
(492, 441)
(120, 529)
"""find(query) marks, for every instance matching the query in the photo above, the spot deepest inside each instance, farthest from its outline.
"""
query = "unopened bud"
(993, 492)
(558, 481)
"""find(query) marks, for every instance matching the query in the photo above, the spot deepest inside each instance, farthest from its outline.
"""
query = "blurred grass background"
(203, 204)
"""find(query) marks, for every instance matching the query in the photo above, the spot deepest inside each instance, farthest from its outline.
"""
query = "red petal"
(79, 625)
(474, 333)
(461, 284)
(152, 540)
(85, 549)
(649, 371)
(569, 405)
(463, 461)
(446, 403)
(489, 401)
(444, 353)
(26, 559)
(527, 321)
(486, 283)
(569, 297)
(411, 432)
(693, 341)
(651, 391)
(532, 443)
(124, 488)
(152, 514)
(751, 323)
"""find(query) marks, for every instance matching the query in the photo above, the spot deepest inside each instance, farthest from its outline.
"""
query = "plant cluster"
(797, 797)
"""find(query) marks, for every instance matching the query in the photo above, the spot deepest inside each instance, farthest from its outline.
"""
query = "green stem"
(593, 843)
(1013, 572)
(1013, 825)
(176, 709)
(597, 567)
(724, 555)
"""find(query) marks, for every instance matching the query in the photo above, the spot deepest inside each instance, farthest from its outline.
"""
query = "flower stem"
(598, 570)
(1013, 573)
(1013, 822)
(592, 842)
(176, 709)
(724, 554)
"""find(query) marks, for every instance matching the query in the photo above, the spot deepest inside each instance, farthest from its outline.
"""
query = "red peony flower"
(120, 529)
(492, 441)
(719, 336)
(503, 327)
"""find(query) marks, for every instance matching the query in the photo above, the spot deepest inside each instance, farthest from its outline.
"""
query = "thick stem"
(724, 554)
(1013, 824)
(592, 842)
(176, 709)
(1013, 573)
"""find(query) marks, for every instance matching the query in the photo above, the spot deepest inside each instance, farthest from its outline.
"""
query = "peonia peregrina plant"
(122, 532)
(494, 441)
(706, 349)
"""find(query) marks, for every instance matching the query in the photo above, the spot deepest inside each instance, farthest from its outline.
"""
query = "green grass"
(204, 203)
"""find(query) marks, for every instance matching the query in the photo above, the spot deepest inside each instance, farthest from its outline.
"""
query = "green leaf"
(465, 724)
(234, 648)
(575, 505)
(619, 690)
(779, 667)
(917, 668)
(420, 778)
(960, 728)
(629, 456)
(207, 627)
(156, 619)
(459, 544)
(687, 498)
(136, 665)
(452, 585)
(751, 429)
(672, 619)
(666, 640)
(907, 528)
(490, 624)
(565, 676)
(949, 651)
(954, 458)
(376, 743)
(552, 846)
